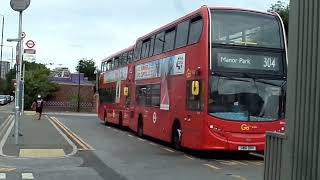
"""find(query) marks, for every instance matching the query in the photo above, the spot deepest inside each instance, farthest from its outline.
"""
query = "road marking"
(5, 137)
(153, 144)
(211, 166)
(30, 113)
(41, 153)
(168, 150)
(5, 124)
(7, 169)
(74, 147)
(5, 121)
(141, 139)
(69, 133)
(74, 135)
(240, 162)
(238, 177)
(257, 154)
(130, 135)
(229, 163)
(27, 176)
(189, 157)
(3, 176)
(108, 127)
(255, 163)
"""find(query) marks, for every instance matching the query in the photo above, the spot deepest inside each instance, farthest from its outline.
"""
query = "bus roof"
(202, 9)
(240, 9)
(118, 53)
(167, 26)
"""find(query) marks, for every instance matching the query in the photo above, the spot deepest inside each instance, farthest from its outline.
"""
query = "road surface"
(106, 152)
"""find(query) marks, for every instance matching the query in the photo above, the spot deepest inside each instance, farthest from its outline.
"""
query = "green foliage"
(87, 66)
(6, 86)
(9, 77)
(3, 86)
(37, 82)
(283, 10)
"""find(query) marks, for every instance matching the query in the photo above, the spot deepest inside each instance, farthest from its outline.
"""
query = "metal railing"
(273, 162)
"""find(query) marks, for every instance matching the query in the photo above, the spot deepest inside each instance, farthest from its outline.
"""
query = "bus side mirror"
(126, 91)
(195, 88)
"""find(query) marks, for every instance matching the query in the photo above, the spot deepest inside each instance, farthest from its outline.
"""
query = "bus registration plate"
(247, 148)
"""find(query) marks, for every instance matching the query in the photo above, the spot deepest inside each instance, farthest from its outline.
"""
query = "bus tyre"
(105, 119)
(176, 136)
(120, 121)
(140, 128)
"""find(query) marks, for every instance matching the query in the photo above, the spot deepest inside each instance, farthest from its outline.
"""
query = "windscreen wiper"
(229, 77)
(263, 81)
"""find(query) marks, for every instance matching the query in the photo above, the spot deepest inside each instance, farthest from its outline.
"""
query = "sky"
(65, 31)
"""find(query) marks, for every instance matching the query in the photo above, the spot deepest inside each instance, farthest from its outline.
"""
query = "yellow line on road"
(69, 133)
(75, 135)
(86, 145)
(211, 166)
(238, 177)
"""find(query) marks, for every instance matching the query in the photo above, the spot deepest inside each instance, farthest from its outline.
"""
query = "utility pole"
(1, 46)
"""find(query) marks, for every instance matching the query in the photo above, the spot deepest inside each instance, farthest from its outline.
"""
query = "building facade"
(71, 86)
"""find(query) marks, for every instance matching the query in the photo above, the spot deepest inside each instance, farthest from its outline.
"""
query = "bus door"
(191, 129)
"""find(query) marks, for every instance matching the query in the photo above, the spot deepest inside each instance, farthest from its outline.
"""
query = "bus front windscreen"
(246, 99)
(246, 29)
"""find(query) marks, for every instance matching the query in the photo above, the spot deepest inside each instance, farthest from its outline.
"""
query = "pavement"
(95, 151)
(39, 138)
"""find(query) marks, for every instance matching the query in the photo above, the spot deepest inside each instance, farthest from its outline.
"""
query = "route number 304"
(269, 62)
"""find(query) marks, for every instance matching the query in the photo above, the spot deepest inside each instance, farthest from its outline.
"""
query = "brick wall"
(65, 99)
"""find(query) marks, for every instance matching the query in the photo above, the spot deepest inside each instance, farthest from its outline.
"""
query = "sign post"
(20, 6)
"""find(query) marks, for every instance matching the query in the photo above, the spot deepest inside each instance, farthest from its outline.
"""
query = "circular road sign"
(30, 44)
(19, 5)
(23, 35)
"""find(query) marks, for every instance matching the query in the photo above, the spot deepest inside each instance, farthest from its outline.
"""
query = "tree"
(37, 82)
(87, 66)
(9, 77)
(283, 10)
(3, 86)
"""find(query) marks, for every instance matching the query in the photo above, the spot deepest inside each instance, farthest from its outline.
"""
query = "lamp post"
(78, 107)
(19, 6)
(1, 45)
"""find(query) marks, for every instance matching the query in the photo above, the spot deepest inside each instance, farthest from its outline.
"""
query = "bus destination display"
(248, 61)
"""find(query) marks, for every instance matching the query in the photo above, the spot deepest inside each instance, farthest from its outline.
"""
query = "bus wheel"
(140, 127)
(176, 136)
(105, 119)
(120, 120)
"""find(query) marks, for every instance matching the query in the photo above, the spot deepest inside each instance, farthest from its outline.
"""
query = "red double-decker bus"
(214, 79)
(114, 106)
